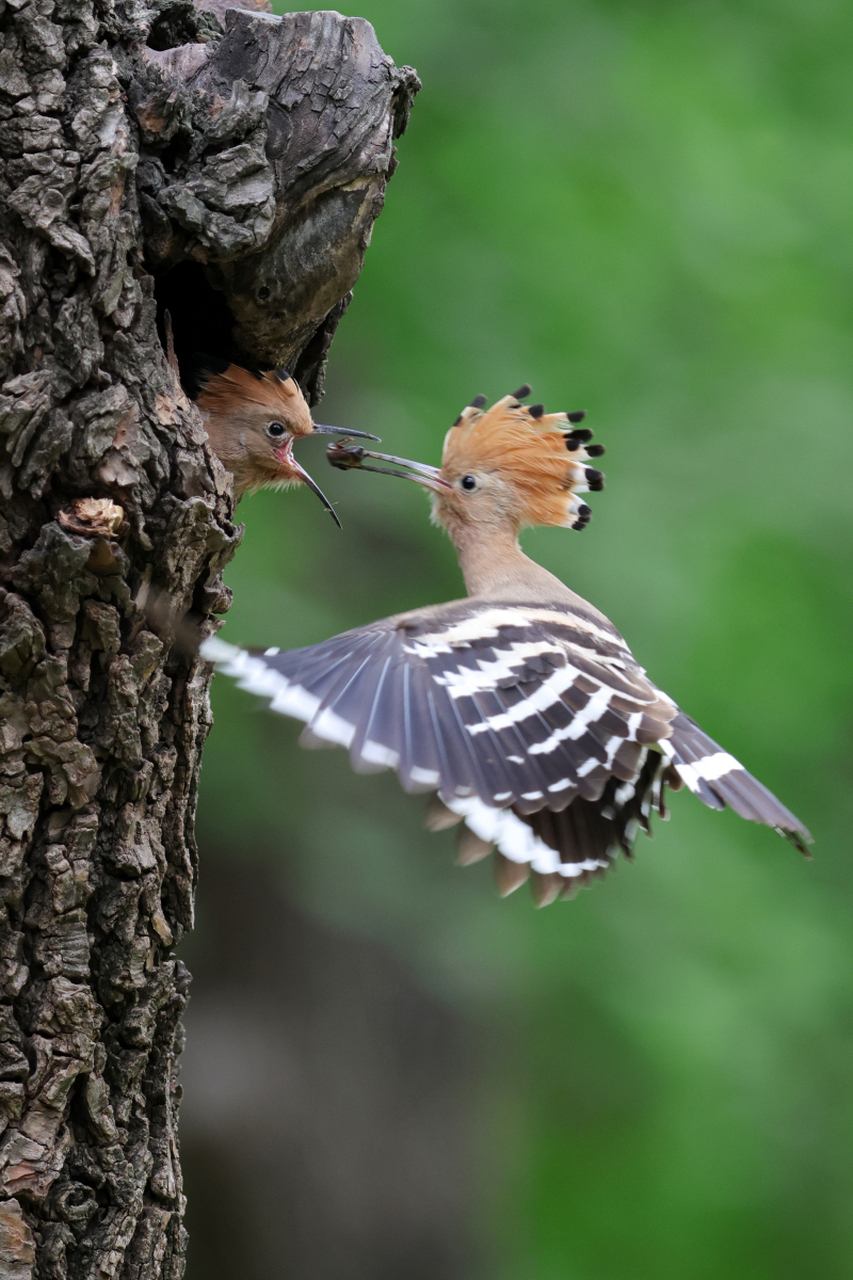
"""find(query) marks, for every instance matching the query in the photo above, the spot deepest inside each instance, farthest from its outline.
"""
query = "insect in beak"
(346, 456)
(320, 429)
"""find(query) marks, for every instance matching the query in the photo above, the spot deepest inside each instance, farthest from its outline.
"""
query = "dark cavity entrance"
(202, 323)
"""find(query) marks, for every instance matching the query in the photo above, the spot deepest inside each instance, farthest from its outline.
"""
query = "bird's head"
(509, 466)
(252, 421)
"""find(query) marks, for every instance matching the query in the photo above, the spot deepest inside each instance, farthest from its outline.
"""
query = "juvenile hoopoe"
(252, 420)
(521, 706)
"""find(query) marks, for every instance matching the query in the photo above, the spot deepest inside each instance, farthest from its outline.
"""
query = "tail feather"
(570, 848)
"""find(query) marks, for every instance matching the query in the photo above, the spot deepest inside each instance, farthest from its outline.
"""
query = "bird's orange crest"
(541, 455)
(275, 391)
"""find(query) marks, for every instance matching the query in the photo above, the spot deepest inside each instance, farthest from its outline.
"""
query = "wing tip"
(218, 651)
(800, 837)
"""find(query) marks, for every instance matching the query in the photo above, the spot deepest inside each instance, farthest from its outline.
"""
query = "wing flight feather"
(534, 724)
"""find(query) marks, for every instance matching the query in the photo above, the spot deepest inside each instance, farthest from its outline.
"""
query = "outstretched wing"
(517, 706)
(533, 723)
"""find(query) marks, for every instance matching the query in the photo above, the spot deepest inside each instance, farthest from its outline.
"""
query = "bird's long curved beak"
(346, 457)
(315, 488)
(319, 429)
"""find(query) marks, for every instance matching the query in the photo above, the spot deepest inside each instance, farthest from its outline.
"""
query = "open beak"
(315, 488)
(347, 456)
(303, 475)
(338, 431)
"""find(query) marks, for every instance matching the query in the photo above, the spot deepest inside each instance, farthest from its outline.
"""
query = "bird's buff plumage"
(252, 421)
(521, 706)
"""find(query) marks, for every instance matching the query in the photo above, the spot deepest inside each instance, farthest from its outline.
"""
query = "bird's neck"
(495, 567)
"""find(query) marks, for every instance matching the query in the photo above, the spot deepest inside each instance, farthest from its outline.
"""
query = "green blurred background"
(644, 210)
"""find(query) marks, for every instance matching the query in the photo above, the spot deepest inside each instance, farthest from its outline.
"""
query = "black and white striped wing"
(546, 704)
(718, 779)
(528, 707)
(533, 723)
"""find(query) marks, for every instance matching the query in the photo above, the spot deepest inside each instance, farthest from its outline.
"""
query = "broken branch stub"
(268, 153)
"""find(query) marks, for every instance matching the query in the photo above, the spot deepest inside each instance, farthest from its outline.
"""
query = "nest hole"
(202, 323)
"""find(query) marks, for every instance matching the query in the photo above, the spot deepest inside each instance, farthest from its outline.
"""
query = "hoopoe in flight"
(521, 706)
(252, 421)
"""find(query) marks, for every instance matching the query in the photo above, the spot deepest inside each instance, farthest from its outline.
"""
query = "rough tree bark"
(228, 166)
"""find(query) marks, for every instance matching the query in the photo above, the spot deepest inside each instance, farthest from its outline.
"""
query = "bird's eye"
(468, 482)
(275, 429)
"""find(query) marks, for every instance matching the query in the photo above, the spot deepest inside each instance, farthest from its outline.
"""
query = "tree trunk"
(228, 172)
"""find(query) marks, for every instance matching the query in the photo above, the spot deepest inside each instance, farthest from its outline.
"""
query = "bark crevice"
(226, 166)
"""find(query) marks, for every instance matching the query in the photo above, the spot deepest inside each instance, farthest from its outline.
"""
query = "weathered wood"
(197, 170)
(262, 179)
(219, 7)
